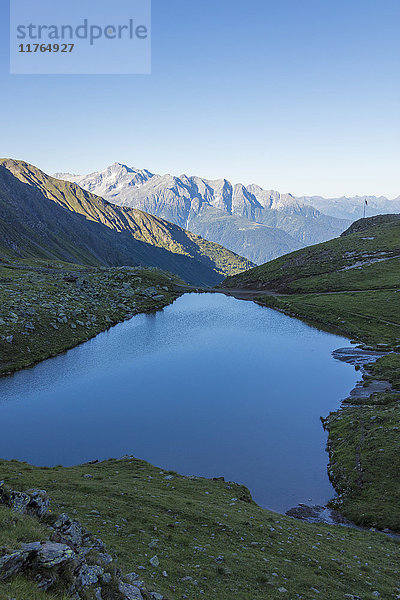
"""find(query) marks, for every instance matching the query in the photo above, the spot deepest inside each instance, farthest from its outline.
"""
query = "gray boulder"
(89, 575)
(52, 554)
(154, 562)
(10, 564)
(39, 502)
(70, 530)
(19, 502)
(130, 592)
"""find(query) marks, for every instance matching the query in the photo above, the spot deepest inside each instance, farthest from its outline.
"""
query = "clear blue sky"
(299, 96)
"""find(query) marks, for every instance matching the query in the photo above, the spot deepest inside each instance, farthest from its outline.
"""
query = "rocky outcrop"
(72, 559)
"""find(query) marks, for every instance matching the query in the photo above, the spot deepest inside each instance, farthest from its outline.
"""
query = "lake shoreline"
(178, 290)
(47, 311)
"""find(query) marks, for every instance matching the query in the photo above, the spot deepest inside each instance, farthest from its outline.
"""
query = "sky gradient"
(302, 97)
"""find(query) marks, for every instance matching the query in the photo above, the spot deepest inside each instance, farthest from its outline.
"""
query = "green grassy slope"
(364, 449)
(189, 522)
(349, 284)
(366, 256)
(372, 317)
(43, 217)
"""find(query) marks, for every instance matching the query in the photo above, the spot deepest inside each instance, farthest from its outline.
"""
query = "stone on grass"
(10, 564)
(105, 558)
(39, 502)
(20, 501)
(52, 554)
(31, 547)
(154, 561)
(131, 592)
(89, 575)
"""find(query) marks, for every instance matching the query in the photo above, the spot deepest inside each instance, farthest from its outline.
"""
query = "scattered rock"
(64, 559)
(130, 592)
(317, 514)
(105, 558)
(52, 554)
(89, 575)
(10, 564)
(154, 562)
(19, 502)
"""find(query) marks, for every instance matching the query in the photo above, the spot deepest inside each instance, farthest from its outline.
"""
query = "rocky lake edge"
(48, 308)
(361, 357)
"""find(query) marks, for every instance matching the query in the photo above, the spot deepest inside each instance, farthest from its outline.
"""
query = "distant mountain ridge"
(259, 224)
(43, 217)
(353, 208)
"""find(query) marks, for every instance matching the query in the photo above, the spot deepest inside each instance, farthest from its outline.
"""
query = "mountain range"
(45, 218)
(353, 208)
(256, 223)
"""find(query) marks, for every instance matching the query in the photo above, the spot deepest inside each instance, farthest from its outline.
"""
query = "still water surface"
(210, 386)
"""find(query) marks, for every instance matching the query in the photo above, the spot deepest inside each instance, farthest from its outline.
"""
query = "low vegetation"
(46, 308)
(210, 539)
(364, 257)
(370, 317)
(364, 450)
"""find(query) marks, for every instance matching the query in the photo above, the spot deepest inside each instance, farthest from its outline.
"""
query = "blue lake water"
(210, 386)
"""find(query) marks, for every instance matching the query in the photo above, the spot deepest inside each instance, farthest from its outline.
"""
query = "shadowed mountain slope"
(42, 217)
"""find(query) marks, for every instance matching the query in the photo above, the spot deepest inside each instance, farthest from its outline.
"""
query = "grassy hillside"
(351, 285)
(366, 256)
(46, 308)
(211, 540)
(43, 217)
(372, 317)
(364, 450)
